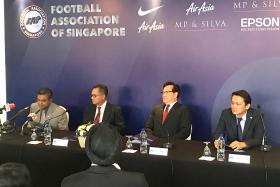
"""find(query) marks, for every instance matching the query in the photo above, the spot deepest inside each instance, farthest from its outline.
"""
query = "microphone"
(168, 144)
(21, 111)
(27, 121)
(8, 107)
(48, 120)
(264, 147)
(8, 127)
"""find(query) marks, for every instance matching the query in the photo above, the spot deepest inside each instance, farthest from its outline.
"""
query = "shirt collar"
(115, 165)
(244, 116)
(103, 105)
(170, 105)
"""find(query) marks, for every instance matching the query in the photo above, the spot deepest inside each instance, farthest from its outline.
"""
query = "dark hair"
(103, 144)
(14, 175)
(46, 91)
(102, 88)
(176, 87)
(244, 94)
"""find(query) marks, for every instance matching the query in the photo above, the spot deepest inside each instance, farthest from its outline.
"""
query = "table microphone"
(168, 144)
(264, 147)
(27, 121)
(21, 111)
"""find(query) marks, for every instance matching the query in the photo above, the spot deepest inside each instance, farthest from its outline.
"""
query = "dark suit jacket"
(97, 176)
(177, 122)
(253, 130)
(112, 115)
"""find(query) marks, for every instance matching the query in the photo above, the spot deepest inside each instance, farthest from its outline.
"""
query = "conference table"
(50, 164)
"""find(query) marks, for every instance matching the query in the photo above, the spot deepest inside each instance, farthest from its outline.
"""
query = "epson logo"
(260, 22)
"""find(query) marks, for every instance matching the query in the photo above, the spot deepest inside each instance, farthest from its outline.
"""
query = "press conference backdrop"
(210, 48)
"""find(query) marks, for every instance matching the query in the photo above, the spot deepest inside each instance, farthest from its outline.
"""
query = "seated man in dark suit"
(170, 117)
(14, 175)
(103, 147)
(240, 125)
(101, 110)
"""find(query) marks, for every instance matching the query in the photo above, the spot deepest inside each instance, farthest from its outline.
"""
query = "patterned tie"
(97, 118)
(165, 113)
(239, 130)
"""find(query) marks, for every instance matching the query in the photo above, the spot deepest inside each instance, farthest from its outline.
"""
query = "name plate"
(243, 159)
(60, 142)
(158, 151)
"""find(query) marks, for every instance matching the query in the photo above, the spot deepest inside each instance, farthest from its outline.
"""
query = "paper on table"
(34, 142)
(129, 151)
(207, 158)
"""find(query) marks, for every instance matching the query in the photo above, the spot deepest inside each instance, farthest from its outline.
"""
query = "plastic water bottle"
(221, 149)
(47, 134)
(144, 142)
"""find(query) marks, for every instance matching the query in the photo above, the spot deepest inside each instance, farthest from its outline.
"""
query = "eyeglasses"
(165, 92)
(95, 95)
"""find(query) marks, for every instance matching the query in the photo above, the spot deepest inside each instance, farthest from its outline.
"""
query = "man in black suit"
(101, 111)
(103, 147)
(170, 117)
(14, 174)
(241, 125)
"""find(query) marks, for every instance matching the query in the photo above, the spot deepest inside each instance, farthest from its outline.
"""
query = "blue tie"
(239, 130)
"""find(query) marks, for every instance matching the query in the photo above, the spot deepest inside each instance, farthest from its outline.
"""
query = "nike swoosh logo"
(145, 12)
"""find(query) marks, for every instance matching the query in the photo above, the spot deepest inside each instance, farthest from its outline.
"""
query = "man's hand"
(32, 115)
(238, 145)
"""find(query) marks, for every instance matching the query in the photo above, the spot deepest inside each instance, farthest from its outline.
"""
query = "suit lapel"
(106, 113)
(93, 113)
(160, 112)
(249, 118)
(50, 111)
(233, 125)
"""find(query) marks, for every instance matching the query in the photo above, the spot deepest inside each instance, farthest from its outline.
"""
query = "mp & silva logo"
(33, 21)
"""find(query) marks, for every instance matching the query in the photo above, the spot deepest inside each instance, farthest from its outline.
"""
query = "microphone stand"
(24, 124)
(264, 147)
(27, 121)
(168, 144)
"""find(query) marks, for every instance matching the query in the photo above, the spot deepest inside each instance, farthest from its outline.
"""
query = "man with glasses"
(101, 111)
(170, 118)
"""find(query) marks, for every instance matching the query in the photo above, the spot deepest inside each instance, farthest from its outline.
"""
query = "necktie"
(97, 117)
(43, 116)
(165, 113)
(239, 130)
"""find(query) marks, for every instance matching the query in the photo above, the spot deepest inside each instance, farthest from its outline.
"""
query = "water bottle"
(221, 149)
(144, 143)
(47, 133)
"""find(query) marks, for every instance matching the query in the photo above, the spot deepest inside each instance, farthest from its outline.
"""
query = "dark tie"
(239, 130)
(97, 118)
(165, 113)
